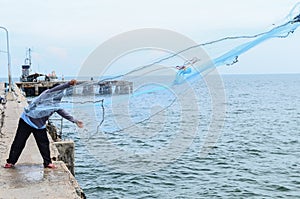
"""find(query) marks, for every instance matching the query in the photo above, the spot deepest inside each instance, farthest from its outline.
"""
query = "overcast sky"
(62, 34)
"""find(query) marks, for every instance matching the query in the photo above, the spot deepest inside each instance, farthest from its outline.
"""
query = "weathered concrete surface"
(66, 154)
(29, 179)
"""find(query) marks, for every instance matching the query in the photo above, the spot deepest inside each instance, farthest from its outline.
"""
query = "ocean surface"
(256, 154)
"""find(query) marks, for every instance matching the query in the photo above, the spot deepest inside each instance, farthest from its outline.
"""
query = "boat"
(35, 83)
(35, 77)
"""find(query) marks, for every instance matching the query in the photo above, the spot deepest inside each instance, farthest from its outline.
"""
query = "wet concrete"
(29, 179)
(33, 181)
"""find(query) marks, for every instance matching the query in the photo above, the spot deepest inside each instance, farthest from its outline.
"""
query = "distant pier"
(36, 88)
(115, 87)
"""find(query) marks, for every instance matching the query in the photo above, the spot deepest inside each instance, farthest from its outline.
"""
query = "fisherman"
(33, 120)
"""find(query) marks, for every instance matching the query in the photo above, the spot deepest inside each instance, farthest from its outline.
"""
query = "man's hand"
(73, 82)
(79, 124)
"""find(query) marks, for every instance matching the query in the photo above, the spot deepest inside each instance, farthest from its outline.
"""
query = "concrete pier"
(115, 87)
(29, 179)
(66, 154)
(36, 88)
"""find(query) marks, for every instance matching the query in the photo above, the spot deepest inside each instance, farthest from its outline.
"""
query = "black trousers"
(23, 132)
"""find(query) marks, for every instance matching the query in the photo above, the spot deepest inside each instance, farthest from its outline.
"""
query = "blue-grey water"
(257, 154)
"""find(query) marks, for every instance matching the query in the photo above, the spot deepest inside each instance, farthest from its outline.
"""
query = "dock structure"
(36, 88)
(29, 179)
(115, 87)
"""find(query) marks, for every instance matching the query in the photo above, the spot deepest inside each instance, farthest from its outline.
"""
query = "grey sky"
(63, 33)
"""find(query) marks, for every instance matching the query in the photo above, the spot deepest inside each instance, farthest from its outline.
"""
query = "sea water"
(257, 154)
